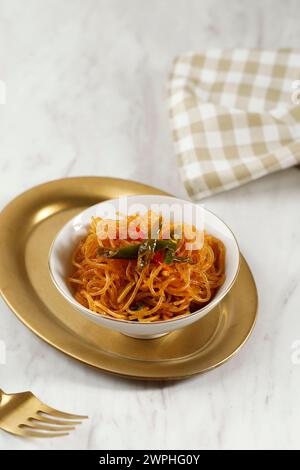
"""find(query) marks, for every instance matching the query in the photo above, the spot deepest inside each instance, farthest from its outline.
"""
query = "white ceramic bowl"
(66, 240)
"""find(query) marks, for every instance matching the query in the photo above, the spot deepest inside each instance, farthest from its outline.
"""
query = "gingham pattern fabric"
(235, 116)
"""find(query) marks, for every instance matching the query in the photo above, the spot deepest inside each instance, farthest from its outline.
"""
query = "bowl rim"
(86, 310)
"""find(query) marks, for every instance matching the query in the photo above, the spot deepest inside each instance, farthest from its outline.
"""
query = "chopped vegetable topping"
(158, 251)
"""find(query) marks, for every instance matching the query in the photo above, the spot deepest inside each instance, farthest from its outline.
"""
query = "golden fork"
(23, 414)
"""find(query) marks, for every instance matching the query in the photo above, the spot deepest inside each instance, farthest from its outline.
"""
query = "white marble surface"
(85, 95)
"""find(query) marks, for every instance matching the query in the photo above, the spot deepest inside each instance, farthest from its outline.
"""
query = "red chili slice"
(158, 257)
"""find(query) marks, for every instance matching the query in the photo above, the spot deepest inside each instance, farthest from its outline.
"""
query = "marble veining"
(86, 90)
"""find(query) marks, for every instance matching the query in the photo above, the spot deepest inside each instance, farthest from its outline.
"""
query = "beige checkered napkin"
(234, 116)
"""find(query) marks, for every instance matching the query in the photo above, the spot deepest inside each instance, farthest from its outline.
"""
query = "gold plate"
(29, 224)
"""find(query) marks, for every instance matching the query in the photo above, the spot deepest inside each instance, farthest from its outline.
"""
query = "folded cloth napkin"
(235, 116)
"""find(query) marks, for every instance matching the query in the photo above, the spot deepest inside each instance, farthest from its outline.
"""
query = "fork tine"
(26, 433)
(42, 427)
(59, 414)
(45, 419)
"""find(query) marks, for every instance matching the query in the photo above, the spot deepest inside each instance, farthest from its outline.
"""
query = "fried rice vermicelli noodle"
(156, 291)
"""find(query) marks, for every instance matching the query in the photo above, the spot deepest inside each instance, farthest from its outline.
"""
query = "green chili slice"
(143, 252)
(133, 250)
